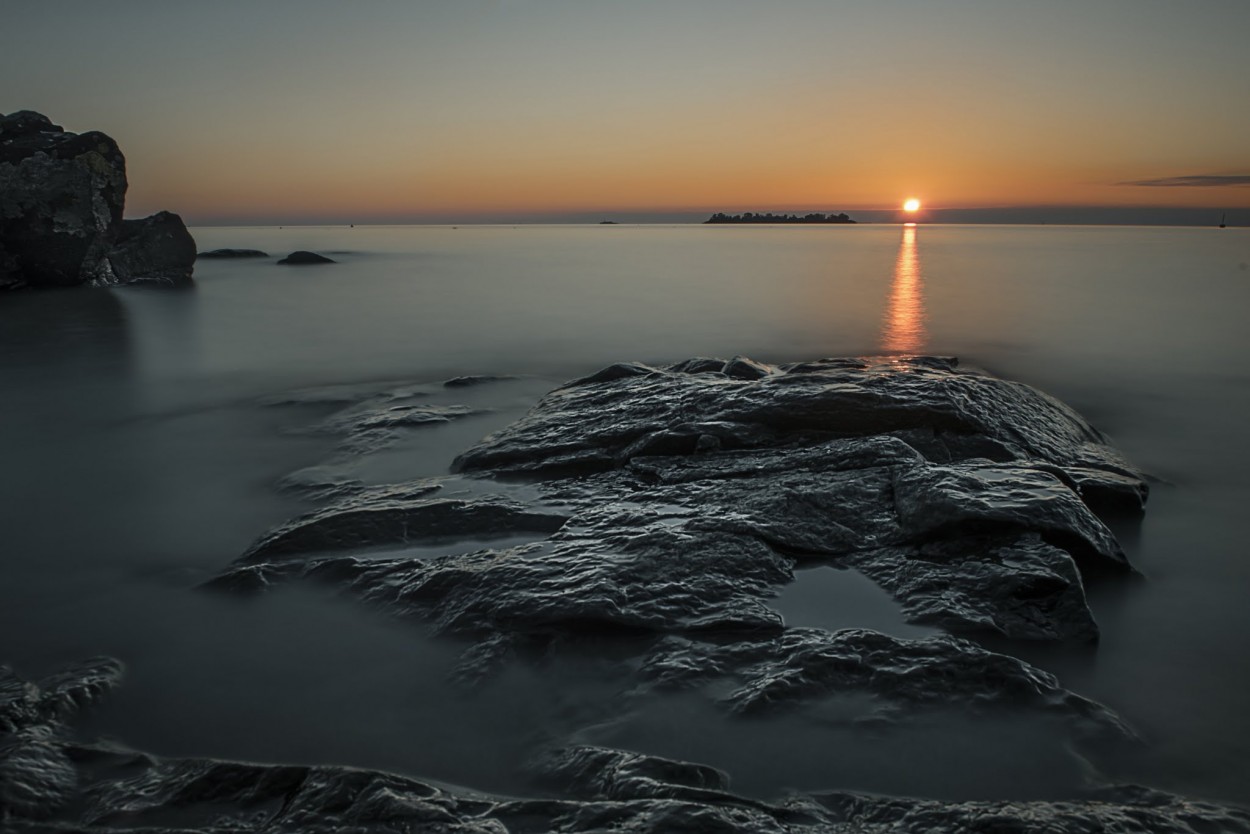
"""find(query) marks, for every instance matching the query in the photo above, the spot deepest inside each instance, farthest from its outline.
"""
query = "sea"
(145, 435)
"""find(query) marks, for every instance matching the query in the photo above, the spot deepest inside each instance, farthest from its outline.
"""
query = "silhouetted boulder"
(302, 258)
(233, 253)
(61, 201)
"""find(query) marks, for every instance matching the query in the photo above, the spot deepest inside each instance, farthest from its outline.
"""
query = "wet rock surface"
(61, 200)
(677, 501)
(665, 508)
(54, 783)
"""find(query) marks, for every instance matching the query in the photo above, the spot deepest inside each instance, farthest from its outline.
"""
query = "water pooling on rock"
(669, 507)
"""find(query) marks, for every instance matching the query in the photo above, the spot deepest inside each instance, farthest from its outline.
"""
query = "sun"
(911, 205)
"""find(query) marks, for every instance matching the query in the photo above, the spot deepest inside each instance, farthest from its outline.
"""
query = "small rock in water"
(233, 253)
(305, 258)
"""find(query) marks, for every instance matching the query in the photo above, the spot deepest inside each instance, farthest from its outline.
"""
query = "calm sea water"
(139, 456)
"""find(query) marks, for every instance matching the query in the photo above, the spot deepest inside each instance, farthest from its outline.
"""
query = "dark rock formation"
(61, 198)
(37, 775)
(52, 783)
(154, 250)
(674, 504)
(669, 506)
(603, 773)
(392, 517)
(801, 665)
(233, 253)
(302, 258)
(690, 492)
(61, 201)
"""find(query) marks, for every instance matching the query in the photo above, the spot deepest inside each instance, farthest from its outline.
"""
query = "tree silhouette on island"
(752, 217)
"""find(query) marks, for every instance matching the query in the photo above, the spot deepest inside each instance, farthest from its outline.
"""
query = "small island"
(753, 217)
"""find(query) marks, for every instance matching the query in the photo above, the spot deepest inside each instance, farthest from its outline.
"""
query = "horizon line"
(1075, 215)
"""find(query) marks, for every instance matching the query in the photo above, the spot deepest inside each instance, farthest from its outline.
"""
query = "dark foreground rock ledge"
(50, 782)
(666, 507)
(687, 494)
(62, 196)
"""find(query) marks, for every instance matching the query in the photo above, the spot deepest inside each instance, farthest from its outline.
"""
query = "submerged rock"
(305, 258)
(474, 379)
(61, 201)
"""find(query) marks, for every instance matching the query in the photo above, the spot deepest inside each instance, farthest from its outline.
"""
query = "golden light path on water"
(902, 328)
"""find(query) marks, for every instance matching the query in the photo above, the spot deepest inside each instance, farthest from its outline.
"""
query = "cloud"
(1194, 181)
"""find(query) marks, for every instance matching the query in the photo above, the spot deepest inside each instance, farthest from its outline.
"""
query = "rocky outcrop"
(62, 196)
(669, 506)
(679, 500)
(52, 782)
(154, 250)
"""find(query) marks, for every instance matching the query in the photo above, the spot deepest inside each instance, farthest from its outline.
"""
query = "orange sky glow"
(426, 113)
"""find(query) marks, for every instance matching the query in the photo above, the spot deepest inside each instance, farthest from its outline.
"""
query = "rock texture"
(691, 491)
(52, 783)
(154, 250)
(61, 201)
(667, 507)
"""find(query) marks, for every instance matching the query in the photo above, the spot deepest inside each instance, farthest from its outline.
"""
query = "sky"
(287, 111)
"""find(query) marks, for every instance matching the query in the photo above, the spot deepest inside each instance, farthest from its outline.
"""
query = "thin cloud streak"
(1193, 181)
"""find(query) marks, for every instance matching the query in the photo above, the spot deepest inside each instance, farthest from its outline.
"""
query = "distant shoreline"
(769, 217)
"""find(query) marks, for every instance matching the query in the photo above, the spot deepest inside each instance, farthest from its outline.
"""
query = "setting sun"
(911, 205)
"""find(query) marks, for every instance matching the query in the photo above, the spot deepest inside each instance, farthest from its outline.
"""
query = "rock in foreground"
(667, 507)
(53, 783)
(61, 201)
(691, 491)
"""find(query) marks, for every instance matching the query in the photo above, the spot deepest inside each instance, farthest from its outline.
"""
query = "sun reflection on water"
(902, 327)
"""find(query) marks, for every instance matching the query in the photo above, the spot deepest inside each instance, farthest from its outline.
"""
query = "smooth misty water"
(139, 456)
